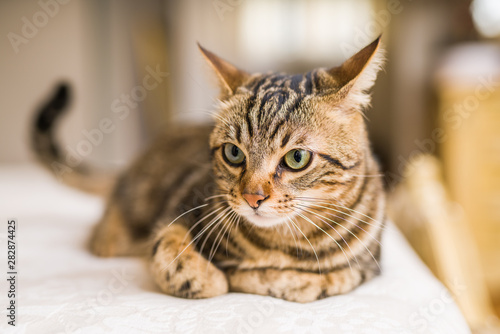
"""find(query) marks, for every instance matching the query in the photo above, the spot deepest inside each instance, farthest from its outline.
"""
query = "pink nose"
(254, 200)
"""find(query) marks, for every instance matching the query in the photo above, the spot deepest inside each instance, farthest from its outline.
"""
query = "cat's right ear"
(351, 81)
(230, 76)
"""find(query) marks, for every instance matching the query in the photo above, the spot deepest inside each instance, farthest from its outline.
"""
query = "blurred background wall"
(103, 48)
(137, 64)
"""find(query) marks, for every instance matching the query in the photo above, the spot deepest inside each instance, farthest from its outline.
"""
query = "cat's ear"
(357, 74)
(230, 76)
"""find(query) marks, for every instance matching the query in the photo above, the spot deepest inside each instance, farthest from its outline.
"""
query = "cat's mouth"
(264, 220)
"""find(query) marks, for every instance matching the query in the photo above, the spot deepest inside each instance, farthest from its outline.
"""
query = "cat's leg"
(181, 271)
(112, 237)
(293, 285)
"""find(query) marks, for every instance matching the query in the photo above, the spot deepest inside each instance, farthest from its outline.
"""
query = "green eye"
(297, 159)
(233, 154)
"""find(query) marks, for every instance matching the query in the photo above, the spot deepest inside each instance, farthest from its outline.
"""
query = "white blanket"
(62, 288)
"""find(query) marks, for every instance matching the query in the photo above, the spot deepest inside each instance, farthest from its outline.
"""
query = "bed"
(62, 288)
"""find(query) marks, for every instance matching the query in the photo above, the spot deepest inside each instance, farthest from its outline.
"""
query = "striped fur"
(316, 234)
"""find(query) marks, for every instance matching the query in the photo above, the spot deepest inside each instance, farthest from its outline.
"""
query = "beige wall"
(76, 44)
(58, 51)
(99, 46)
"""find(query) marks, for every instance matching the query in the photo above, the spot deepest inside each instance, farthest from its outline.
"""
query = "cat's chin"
(264, 221)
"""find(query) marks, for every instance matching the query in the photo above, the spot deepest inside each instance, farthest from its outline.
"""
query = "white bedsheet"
(64, 289)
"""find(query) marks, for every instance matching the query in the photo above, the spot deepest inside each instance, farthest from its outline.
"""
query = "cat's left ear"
(357, 74)
(230, 76)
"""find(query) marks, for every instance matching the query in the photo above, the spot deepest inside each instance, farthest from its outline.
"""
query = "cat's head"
(281, 140)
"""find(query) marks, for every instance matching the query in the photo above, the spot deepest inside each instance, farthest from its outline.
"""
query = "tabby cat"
(280, 197)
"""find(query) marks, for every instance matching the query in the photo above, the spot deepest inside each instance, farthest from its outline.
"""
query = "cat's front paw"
(103, 244)
(189, 275)
(289, 285)
(293, 285)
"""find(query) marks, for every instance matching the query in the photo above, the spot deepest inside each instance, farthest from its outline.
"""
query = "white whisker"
(192, 241)
(185, 213)
(340, 246)
(220, 219)
(223, 230)
(322, 230)
(200, 221)
(293, 236)
(307, 239)
(345, 219)
(314, 201)
(236, 222)
(215, 196)
(331, 220)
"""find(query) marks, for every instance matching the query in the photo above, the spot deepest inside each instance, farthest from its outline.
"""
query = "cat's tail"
(66, 167)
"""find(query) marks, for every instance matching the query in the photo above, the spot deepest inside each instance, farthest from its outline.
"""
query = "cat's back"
(177, 146)
(164, 176)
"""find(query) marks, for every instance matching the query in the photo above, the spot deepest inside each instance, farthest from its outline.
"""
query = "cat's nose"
(254, 200)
